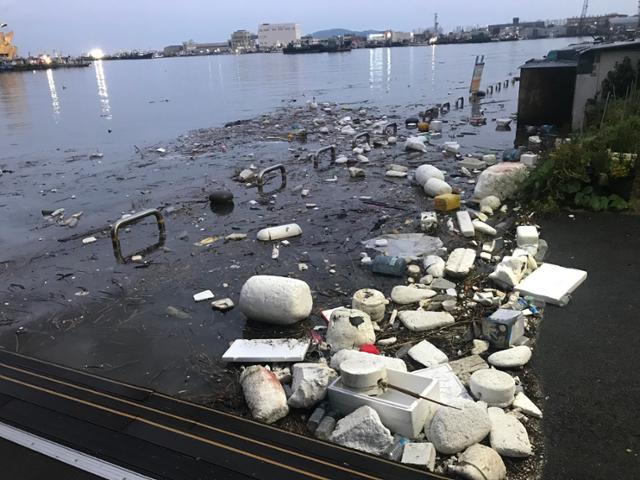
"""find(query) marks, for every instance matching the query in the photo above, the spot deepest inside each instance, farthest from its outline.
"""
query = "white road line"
(67, 455)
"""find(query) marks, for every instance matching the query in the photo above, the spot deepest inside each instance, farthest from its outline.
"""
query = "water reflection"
(55, 100)
(103, 93)
(433, 67)
(380, 68)
(12, 97)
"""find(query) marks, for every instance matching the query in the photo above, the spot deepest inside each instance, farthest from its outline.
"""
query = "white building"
(272, 35)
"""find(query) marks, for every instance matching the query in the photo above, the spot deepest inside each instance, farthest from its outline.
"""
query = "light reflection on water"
(103, 92)
(42, 110)
(55, 100)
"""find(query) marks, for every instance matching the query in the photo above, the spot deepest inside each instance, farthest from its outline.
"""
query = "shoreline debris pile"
(363, 382)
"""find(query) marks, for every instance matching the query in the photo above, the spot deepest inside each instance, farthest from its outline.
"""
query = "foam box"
(400, 413)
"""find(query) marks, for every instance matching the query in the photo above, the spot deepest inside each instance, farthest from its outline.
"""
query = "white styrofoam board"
(267, 350)
(450, 385)
(400, 413)
(552, 283)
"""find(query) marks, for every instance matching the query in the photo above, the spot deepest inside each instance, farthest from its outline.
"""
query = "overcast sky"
(75, 26)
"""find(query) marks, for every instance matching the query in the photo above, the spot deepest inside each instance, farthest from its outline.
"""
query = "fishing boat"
(307, 45)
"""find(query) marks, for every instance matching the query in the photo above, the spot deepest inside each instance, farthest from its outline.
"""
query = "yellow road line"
(207, 409)
(164, 427)
(192, 422)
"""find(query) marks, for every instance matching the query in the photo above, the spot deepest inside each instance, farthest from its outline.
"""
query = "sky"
(77, 26)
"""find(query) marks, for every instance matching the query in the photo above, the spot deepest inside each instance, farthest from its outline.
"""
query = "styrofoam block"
(427, 354)
(450, 385)
(267, 350)
(552, 283)
(460, 262)
(400, 413)
(466, 226)
(529, 159)
(527, 235)
(202, 296)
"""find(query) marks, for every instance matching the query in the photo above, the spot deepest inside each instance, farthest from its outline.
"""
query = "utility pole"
(436, 26)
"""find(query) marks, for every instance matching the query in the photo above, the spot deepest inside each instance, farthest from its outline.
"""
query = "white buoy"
(279, 232)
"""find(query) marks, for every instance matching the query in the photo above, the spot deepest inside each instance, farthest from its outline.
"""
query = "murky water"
(111, 104)
(76, 305)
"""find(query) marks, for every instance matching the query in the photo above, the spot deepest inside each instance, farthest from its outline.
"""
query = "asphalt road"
(588, 353)
(24, 464)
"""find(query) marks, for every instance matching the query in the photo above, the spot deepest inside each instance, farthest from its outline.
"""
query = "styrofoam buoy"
(434, 187)
(275, 300)
(370, 301)
(425, 172)
(495, 388)
(280, 232)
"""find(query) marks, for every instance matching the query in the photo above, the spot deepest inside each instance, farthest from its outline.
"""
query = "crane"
(583, 16)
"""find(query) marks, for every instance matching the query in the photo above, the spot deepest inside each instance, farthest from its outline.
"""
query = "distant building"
(272, 35)
(517, 29)
(556, 90)
(401, 37)
(172, 50)
(242, 40)
(7, 50)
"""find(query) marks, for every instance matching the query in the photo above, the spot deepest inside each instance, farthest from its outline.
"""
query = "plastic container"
(447, 202)
(371, 302)
(391, 266)
(503, 328)
(400, 413)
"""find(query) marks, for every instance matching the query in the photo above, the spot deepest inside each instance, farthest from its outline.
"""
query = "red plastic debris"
(368, 348)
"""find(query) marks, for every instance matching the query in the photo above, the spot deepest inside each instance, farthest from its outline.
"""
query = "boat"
(129, 56)
(328, 46)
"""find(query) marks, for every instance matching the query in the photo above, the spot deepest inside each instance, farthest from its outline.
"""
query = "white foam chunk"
(552, 283)
(267, 350)
(466, 226)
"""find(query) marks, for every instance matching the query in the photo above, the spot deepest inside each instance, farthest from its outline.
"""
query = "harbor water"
(113, 104)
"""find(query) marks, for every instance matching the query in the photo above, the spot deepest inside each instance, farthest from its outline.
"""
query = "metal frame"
(460, 103)
(329, 148)
(506, 84)
(498, 86)
(273, 168)
(490, 90)
(366, 135)
(445, 108)
(393, 125)
(135, 218)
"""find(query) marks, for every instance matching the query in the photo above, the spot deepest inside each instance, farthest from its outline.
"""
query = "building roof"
(568, 57)
(544, 63)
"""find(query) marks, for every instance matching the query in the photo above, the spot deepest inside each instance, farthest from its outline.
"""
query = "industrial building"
(274, 35)
(556, 90)
(242, 40)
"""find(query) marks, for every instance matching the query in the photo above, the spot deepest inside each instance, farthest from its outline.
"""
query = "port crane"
(583, 17)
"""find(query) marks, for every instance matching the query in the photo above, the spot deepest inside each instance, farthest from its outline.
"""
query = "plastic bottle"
(392, 266)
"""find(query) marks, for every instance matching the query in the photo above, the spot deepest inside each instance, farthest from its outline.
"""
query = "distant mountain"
(334, 32)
